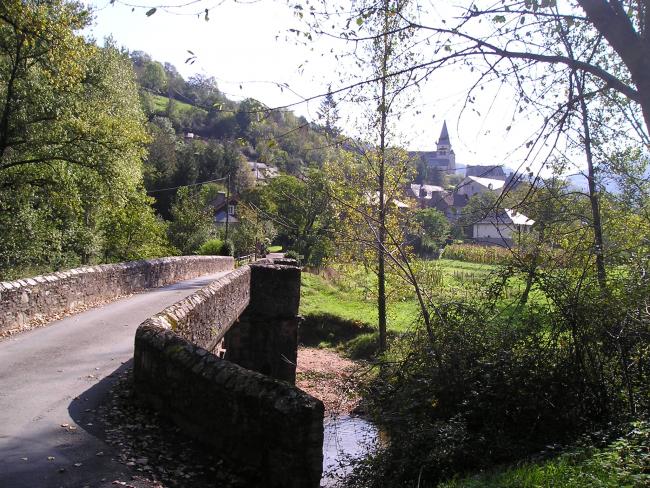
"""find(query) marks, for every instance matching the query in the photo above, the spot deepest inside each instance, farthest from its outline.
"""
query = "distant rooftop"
(428, 190)
(489, 183)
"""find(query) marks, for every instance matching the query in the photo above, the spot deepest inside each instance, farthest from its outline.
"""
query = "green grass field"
(350, 292)
(160, 105)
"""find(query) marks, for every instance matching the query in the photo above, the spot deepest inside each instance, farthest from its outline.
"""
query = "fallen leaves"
(154, 447)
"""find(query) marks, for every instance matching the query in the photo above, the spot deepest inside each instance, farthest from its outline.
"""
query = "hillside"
(199, 134)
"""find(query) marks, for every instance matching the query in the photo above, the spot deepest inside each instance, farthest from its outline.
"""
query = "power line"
(184, 186)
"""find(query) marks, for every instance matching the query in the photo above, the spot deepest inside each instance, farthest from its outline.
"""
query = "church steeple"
(445, 152)
(444, 138)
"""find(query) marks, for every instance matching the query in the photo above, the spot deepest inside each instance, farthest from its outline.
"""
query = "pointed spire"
(444, 135)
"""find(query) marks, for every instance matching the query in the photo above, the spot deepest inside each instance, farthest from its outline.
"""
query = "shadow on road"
(68, 454)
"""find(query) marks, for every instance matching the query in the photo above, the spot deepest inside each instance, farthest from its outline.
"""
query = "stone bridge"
(220, 363)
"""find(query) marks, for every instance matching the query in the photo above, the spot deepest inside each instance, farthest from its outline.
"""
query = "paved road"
(57, 375)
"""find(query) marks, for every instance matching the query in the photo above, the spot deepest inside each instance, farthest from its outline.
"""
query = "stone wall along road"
(41, 298)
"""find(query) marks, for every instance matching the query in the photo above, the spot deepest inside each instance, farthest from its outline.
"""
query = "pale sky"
(244, 46)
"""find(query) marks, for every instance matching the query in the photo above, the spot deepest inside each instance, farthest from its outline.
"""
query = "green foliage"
(432, 232)
(191, 223)
(154, 76)
(487, 385)
(213, 247)
(624, 462)
(251, 234)
(132, 231)
(303, 209)
(473, 253)
(227, 249)
(71, 144)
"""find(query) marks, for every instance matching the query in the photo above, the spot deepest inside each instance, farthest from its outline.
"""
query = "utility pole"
(227, 205)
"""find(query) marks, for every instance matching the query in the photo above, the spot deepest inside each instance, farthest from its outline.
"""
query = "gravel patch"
(332, 379)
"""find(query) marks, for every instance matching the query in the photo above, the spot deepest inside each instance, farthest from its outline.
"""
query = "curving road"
(52, 379)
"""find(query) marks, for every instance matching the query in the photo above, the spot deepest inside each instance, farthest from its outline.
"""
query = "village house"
(503, 228)
(224, 209)
(262, 172)
(473, 185)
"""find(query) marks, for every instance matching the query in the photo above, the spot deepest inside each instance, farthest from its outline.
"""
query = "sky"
(248, 48)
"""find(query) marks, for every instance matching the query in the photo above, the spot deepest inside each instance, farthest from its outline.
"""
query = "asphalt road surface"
(51, 381)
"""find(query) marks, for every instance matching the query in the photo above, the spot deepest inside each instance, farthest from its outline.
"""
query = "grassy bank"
(623, 463)
(349, 292)
(340, 305)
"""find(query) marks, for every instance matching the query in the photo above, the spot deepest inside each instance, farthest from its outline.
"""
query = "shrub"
(480, 389)
(213, 247)
(227, 249)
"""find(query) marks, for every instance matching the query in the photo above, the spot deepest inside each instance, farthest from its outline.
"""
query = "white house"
(262, 172)
(501, 228)
(473, 185)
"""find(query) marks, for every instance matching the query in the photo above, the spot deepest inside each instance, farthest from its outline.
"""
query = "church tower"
(444, 150)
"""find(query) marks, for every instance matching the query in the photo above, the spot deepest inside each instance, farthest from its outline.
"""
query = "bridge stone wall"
(266, 337)
(41, 298)
(256, 421)
(268, 428)
(204, 317)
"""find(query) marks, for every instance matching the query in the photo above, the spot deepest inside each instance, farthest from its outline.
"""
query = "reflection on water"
(346, 438)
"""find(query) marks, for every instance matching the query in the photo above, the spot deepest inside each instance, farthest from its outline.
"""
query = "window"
(231, 209)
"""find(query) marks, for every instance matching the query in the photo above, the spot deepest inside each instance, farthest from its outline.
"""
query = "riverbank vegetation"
(485, 388)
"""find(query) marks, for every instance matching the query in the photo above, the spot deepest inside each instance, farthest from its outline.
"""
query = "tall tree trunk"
(593, 192)
(381, 272)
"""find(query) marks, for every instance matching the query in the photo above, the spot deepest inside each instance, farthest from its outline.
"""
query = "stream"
(347, 437)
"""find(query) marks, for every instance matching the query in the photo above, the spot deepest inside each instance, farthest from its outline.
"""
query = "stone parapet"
(41, 298)
(204, 317)
(266, 337)
(275, 290)
(270, 429)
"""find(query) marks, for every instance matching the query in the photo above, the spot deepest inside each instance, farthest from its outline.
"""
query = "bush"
(227, 249)
(213, 247)
(481, 389)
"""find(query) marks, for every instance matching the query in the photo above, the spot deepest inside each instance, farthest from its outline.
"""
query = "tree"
(248, 112)
(433, 230)
(328, 114)
(71, 136)
(254, 233)
(302, 213)
(154, 77)
(192, 221)
(132, 231)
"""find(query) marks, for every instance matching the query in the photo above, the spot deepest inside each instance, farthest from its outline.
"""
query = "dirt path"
(330, 378)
